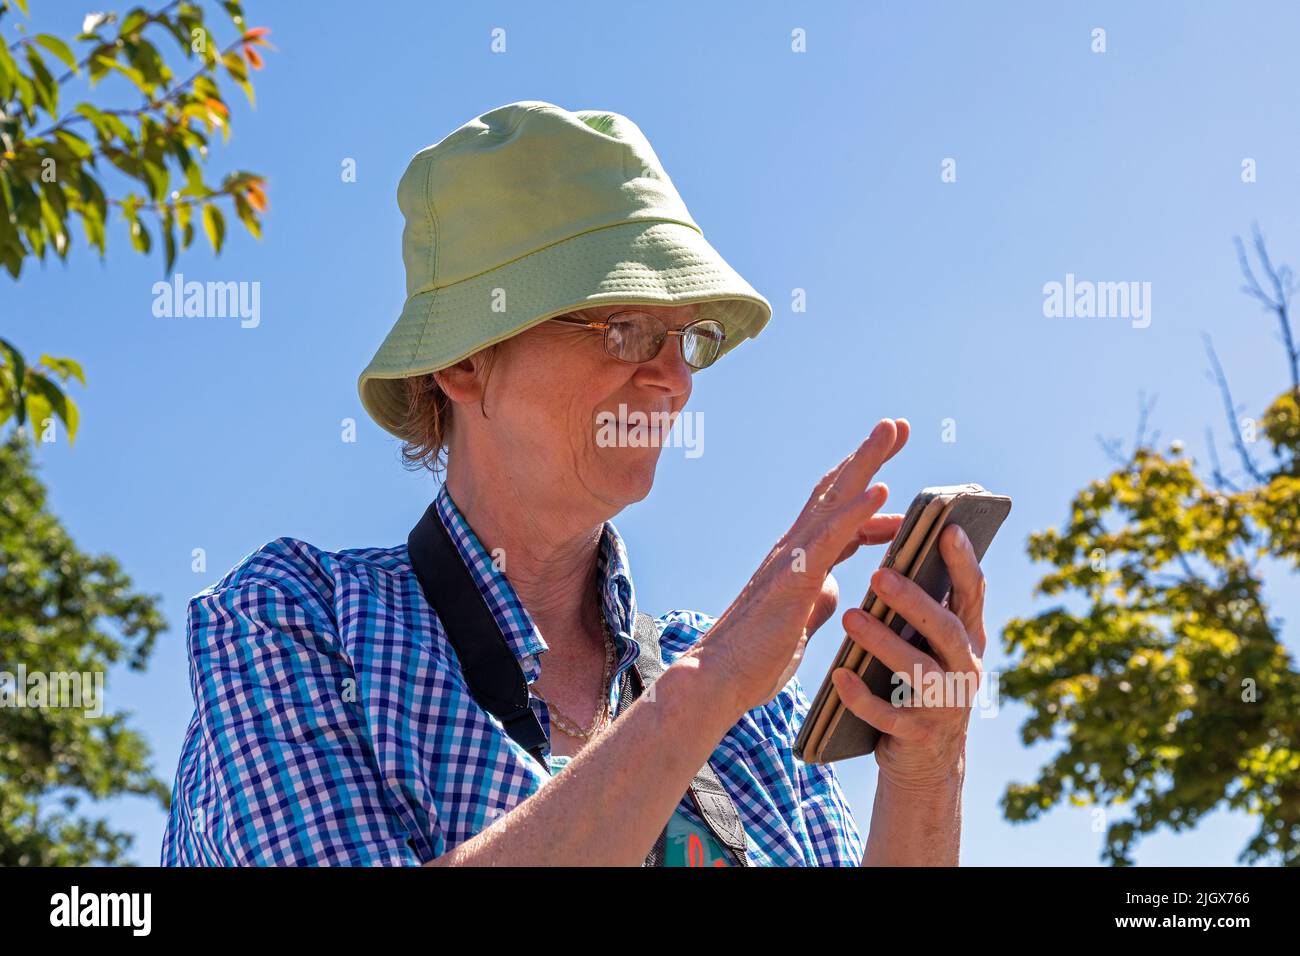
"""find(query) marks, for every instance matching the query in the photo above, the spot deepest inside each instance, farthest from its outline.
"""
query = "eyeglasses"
(637, 337)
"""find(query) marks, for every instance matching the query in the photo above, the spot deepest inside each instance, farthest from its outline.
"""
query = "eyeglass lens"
(638, 337)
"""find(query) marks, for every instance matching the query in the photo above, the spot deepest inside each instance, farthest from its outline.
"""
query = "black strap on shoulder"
(710, 798)
(498, 685)
(491, 669)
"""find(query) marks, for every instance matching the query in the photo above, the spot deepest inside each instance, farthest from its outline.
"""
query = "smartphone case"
(831, 732)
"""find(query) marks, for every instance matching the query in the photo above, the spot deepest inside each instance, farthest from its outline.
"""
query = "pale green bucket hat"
(531, 211)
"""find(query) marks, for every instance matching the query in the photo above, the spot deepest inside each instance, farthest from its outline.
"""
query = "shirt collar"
(618, 598)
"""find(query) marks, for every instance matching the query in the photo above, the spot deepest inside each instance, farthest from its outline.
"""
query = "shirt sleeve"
(278, 767)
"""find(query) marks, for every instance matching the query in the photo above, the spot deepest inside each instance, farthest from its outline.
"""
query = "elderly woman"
(488, 693)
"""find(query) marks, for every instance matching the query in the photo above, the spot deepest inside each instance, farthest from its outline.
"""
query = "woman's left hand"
(923, 745)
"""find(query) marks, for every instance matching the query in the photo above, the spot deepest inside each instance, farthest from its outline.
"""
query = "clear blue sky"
(818, 171)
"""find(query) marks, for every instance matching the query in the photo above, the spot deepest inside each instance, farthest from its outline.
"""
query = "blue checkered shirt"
(332, 723)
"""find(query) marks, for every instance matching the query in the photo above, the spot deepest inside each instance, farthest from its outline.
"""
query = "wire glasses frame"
(637, 337)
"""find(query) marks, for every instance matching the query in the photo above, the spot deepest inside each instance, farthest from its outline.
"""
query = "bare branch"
(1231, 410)
(1252, 285)
(1114, 450)
(1221, 481)
(1144, 414)
(1282, 282)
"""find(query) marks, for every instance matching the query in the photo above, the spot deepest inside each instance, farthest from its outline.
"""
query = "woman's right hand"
(760, 638)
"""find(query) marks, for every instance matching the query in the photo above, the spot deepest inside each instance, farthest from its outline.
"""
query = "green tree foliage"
(1167, 687)
(66, 160)
(55, 149)
(62, 610)
(32, 393)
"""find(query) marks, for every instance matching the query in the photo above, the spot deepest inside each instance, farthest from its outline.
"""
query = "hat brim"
(653, 262)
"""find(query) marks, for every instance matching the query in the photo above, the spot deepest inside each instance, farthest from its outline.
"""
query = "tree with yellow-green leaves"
(132, 161)
(1167, 686)
(65, 160)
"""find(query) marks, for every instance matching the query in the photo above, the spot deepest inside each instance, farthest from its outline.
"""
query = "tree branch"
(1113, 447)
(1221, 481)
(1231, 411)
(1278, 301)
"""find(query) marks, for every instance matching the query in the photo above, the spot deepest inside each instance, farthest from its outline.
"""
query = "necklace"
(569, 727)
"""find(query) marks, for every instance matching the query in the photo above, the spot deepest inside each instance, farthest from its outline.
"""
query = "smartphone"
(831, 731)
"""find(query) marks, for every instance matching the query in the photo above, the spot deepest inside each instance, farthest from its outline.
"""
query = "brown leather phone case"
(831, 732)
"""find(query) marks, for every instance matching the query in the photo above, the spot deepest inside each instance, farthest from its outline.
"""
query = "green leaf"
(94, 210)
(6, 198)
(47, 87)
(65, 368)
(144, 56)
(248, 216)
(6, 394)
(141, 241)
(54, 196)
(184, 216)
(60, 49)
(238, 71)
(132, 74)
(8, 72)
(44, 394)
(193, 172)
(133, 21)
(26, 93)
(11, 255)
(214, 224)
(75, 144)
(157, 176)
(54, 225)
(204, 88)
(71, 418)
(169, 241)
(17, 377)
(97, 118)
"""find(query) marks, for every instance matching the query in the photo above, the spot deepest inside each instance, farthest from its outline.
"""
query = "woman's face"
(556, 400)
